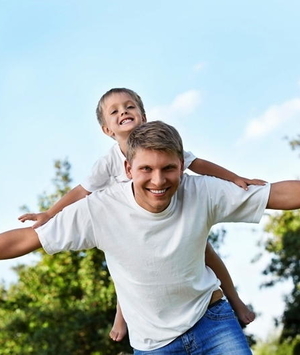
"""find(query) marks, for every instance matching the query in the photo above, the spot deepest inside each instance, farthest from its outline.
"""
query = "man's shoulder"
(188, 178)
(202, 183)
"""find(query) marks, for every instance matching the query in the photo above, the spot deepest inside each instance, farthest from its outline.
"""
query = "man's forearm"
(18, 242)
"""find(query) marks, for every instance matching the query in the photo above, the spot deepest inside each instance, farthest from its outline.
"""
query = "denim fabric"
(216, 333)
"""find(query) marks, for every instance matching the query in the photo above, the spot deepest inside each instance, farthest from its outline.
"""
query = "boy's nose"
(124, 112)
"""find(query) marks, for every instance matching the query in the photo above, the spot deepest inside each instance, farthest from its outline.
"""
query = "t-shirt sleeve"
(189, 157)
(70, 229)
(230, 203)
(100, 176)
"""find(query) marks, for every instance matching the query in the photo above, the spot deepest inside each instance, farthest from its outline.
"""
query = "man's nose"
(158, 178)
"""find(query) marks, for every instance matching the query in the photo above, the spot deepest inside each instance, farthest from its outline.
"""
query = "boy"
(119, 111)
(170, 299)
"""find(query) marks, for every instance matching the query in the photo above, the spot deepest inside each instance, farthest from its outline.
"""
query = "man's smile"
(157, 192)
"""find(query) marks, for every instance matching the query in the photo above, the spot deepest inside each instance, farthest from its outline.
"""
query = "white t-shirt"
(156, 260)
(110, 169)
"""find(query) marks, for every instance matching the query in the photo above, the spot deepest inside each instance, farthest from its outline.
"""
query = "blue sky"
(225, 74)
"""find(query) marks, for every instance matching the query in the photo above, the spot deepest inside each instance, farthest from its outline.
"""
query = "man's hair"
(135, 97)
(154, 135)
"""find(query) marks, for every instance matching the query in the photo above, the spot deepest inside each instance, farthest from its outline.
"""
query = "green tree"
(295, 142)
(284, 246)
(275, 347)
(63, 305)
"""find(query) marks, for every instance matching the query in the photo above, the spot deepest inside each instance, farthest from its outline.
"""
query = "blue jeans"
(216, 333)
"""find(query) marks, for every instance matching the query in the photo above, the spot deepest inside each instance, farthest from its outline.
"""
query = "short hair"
(154, 135)
(135, 97)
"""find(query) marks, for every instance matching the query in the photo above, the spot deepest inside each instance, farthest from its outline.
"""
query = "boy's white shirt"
(156, 260)
(109, 169)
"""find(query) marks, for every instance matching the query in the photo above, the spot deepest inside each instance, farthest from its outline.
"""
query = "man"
(153, 231)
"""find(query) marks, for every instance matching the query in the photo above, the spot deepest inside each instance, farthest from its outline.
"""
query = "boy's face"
(156, 176)
(121, 114)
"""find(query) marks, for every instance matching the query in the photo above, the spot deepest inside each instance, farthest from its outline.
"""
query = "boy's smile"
(156, 176)
(122, 115)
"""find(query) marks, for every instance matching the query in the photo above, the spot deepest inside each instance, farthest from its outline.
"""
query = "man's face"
(156, 176)
(121, 114)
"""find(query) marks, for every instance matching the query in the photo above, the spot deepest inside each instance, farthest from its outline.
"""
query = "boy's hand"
(41, 218)
(244, 182)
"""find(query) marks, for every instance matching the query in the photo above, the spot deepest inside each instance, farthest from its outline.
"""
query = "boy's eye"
(130, 106)
(113, 112)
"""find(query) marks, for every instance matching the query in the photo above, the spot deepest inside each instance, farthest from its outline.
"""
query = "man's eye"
(146, 169)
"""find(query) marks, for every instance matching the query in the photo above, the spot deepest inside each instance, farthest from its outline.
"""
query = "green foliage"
(295, 142)
(284, 246)
(63, 305)
(275, 347)
(61, 183)
(285, 264)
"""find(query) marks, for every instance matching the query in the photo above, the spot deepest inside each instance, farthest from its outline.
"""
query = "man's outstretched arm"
(18, 242)
(284, 195)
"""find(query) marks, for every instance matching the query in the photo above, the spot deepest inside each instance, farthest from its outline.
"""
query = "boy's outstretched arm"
(18, 242)
(41, 218)
(204, 167)
(284, 195)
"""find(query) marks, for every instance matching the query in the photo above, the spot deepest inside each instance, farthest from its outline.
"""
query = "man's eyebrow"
(144, 166)
(171, 165)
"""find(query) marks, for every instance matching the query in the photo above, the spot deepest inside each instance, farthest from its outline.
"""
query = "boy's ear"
(144, 118)
(107, 131)
(128, 169)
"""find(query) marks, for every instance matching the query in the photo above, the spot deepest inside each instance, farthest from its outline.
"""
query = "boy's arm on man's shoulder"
(205, 167)
(18, 242)
(284, 195)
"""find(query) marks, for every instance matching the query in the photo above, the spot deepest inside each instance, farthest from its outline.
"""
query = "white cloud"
(183, 104)
(199, 66)
(271, 119)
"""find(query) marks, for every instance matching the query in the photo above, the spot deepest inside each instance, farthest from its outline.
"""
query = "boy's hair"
(135, 97)
(154, 135)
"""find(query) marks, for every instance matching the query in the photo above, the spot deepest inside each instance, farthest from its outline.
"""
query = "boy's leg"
(243, 312)
(213, 260)
(119, 329)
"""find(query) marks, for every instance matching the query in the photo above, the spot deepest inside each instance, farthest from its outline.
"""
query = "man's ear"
(128, 169)
(182, 167)
(107, 131)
